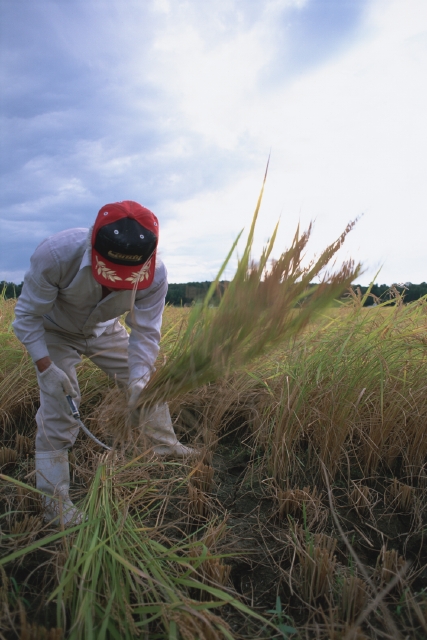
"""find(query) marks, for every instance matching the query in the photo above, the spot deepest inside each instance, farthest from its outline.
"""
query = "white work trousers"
(56, 428)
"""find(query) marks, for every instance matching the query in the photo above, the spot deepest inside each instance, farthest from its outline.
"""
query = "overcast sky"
(177, 104)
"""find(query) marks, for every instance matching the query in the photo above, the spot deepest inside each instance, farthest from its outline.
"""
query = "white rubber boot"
(156, 426)
(53, 478)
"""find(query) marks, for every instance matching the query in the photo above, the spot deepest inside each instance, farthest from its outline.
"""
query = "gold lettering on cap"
(122, 256)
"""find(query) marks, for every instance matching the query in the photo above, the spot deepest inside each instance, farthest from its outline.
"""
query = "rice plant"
(119, 581)
(309, 490)
(264, 305)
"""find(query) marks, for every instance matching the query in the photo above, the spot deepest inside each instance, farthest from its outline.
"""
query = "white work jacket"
(61, 294)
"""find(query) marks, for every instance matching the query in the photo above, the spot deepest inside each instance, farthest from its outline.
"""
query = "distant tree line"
(185, 294)
(178, 294)
(10, 289)
(382, 292)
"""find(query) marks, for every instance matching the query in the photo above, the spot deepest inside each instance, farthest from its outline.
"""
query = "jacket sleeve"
(145, 321)
(37, 298)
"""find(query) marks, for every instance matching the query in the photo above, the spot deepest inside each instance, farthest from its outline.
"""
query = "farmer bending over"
(79, 282)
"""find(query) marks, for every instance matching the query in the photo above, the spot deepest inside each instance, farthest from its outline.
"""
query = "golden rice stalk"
(4, 589)
(400, 496)
(214, 571)
(18, 387)
(286, 428)
(207, 457)
(316, 572)
(262, 306)
(361, 499)
(299, 504)
(214, 533)
(201, 477)
(354, 598)
(7, 456)
(406, 497)
(420, 609)
(27, 500)
(211, 571)
(26, 530)
(352, 633)
(200, 483)
(198, 501)
(389, 563)
(29, 524)
(36, 632)
(110, 417)
(33, 631)
(317, 564)
(207, 626)
(24, 445)
(325, 542)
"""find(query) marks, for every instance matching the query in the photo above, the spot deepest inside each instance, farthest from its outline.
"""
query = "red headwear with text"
(124, 245)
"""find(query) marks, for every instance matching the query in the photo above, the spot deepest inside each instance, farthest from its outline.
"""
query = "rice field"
(304, 514)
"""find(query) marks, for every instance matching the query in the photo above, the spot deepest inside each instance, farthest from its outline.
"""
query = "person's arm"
(145, 321)
(43, 364)
(37, 298)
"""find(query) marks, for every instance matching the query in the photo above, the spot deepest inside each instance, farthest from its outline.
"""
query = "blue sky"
(177, 104)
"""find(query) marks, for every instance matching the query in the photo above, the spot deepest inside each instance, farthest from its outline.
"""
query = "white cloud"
(347, 137)
(212, 73)
(177, 104)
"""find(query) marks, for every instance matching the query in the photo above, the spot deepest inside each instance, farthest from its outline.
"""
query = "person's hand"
(55, 382)
(134, 390)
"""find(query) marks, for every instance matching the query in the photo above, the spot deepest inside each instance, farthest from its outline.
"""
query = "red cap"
(124, 245)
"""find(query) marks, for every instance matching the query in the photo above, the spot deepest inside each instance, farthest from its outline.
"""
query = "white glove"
(55, 382)
(134, 389)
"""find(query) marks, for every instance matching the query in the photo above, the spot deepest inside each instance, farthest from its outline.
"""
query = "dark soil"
(260, 546)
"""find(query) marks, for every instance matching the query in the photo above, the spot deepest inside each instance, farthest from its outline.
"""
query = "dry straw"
(265, 303)
(345, 395)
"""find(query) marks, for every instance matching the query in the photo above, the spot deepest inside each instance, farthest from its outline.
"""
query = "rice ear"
(259, 309)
